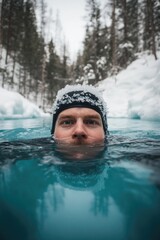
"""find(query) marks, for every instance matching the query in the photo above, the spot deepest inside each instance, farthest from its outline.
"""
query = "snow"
(13, 105)
(83, 97)
(133, 93)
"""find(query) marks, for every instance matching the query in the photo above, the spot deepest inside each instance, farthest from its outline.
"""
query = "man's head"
(79, 115)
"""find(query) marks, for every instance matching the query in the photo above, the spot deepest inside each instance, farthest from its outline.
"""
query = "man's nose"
(79, 131)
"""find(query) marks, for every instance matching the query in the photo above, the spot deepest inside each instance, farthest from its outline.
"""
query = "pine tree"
(77, 68)
(17, 34)
(7, 31)
(29, 46)
(149, 27)
(127, 31)
(87, 50)
(53, 78)
(157, 23)
(113, 38)
(64, 71)
(92, 43)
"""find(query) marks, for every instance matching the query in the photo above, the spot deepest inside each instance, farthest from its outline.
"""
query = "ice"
(13, 105)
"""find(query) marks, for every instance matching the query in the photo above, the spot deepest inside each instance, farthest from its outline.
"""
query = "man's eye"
(91, 122)
(66, 122)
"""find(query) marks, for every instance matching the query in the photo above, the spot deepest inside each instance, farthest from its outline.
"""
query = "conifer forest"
(115, 34)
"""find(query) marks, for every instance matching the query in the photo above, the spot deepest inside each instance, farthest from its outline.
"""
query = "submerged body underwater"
(104, 192)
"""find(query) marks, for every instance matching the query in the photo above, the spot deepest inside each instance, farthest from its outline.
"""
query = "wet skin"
(79, 126)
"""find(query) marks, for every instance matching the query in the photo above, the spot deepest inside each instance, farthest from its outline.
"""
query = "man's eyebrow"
(93, 116)
(66, 116)
(86, 116)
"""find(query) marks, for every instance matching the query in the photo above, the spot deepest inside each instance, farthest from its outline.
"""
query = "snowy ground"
(13, 105)
(133, 93)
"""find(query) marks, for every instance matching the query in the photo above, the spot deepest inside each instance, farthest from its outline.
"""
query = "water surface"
(47, 193)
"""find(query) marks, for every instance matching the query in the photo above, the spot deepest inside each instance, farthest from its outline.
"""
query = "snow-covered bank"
(135, 91)
(13, 105)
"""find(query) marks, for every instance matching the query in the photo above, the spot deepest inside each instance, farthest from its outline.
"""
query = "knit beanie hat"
(79, 96)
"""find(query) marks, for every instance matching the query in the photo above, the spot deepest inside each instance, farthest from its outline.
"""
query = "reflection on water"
(24, 123)
(100, 192)
(24, 129)
(112, 194)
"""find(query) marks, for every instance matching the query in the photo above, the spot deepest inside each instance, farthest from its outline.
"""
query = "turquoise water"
(113, 193)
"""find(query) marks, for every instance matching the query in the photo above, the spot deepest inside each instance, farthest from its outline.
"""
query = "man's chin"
(79, 150)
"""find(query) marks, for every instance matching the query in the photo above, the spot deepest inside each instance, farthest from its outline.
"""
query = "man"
(79, 116)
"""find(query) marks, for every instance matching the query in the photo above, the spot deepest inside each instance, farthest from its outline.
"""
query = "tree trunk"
(13, 69)
(151, 14)
(113, 36)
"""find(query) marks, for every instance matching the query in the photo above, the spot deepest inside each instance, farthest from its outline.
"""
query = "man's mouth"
(79, 142)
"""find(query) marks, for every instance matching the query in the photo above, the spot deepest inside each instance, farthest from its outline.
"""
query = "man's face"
(79, 126)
